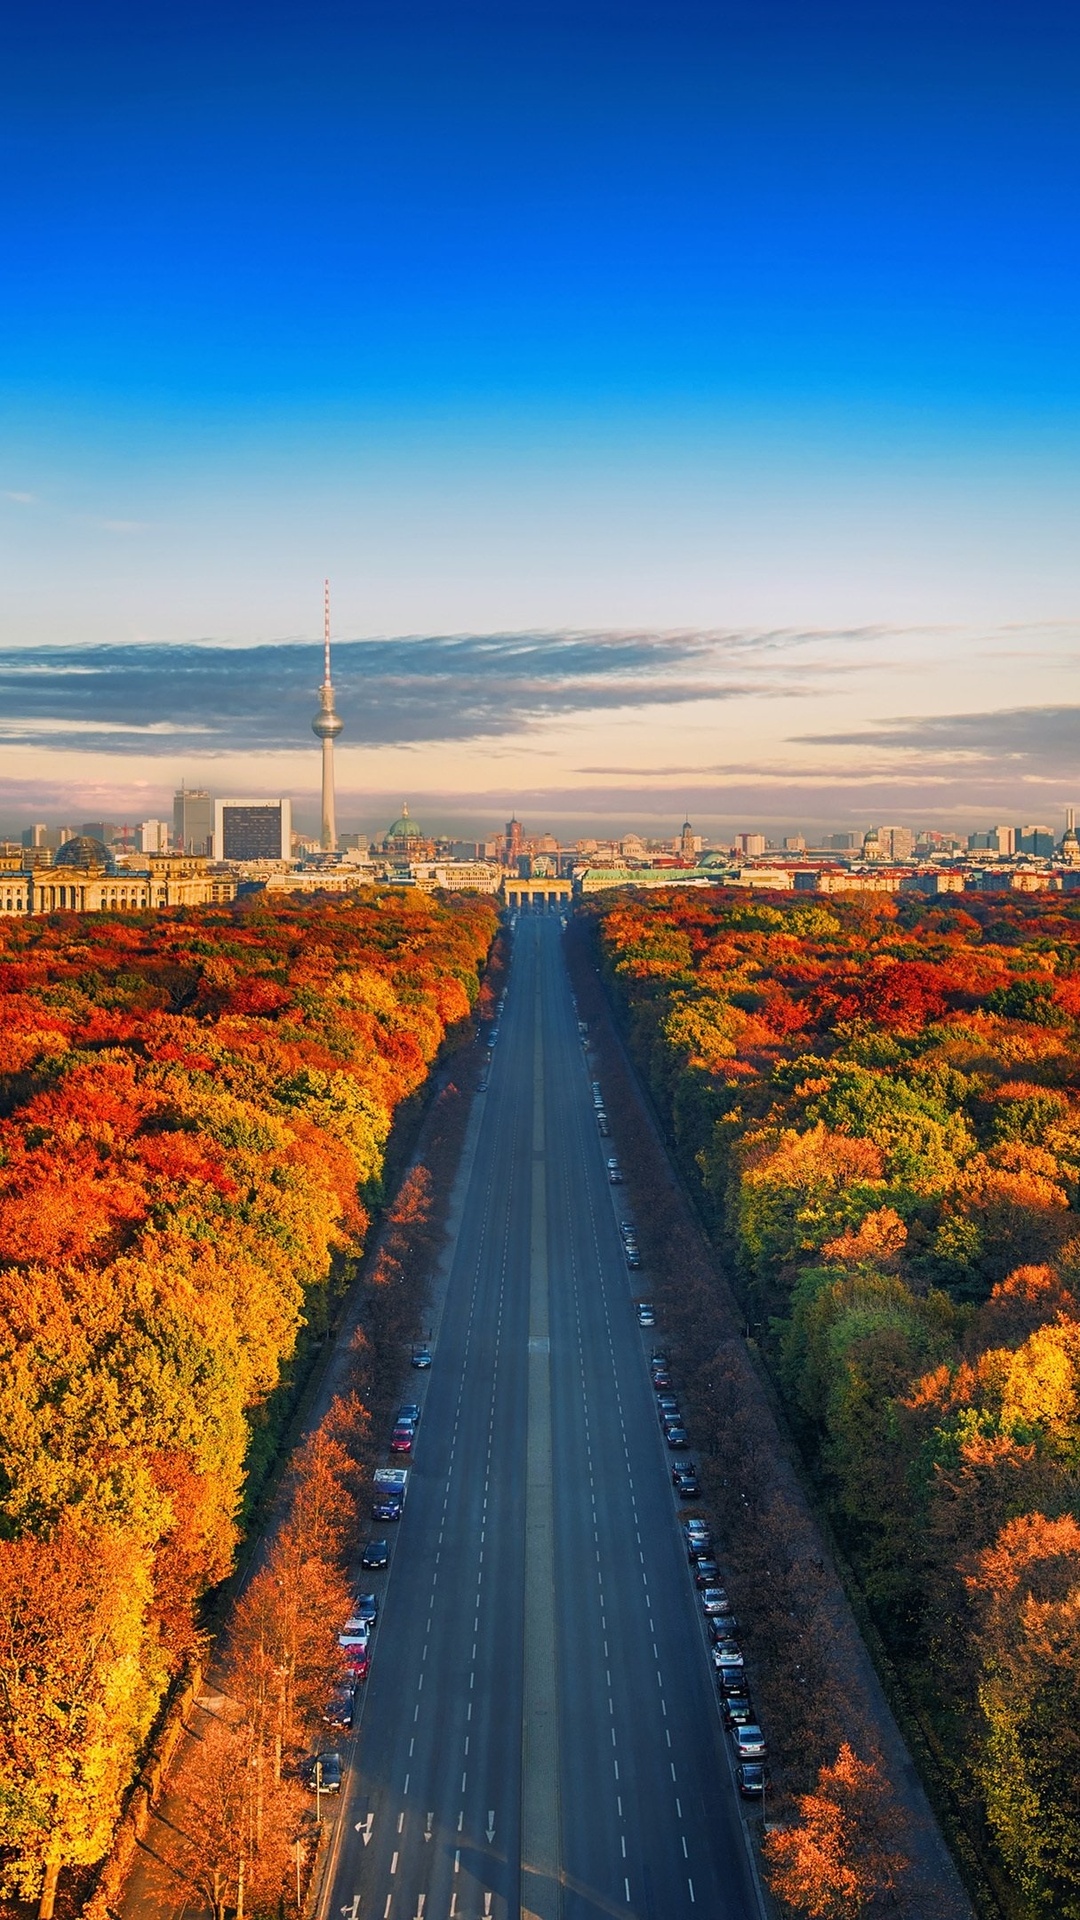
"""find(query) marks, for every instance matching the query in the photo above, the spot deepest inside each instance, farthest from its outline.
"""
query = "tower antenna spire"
(326, 726)
(326, 633)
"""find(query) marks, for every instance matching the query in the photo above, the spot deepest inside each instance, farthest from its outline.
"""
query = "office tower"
(193, 820)
(252, 830)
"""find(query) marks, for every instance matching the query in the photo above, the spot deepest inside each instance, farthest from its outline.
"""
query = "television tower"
(326, 726)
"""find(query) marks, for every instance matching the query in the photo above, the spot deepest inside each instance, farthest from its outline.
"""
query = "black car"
(666, 1403)
(737, 1710)
(324, 1773)
(706, 1573)
(421, 1357)
(633, 1260)
(677, 1438)
(409, 1413)
(687, 1486)
(366, 1607)
(338, 1711)
(376, 1554)
(753, 1779)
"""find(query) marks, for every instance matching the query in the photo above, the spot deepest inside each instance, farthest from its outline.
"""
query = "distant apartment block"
(252, 829)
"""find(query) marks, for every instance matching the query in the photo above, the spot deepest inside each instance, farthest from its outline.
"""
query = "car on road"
(737, 1710)
(713, 1600)
(376, 1554)
(338, 1711)
(752, 1778)
(324, 1773)
(645, 1314)
(366, 1607)
(401, 1440)
(687, 1484)
(356, 1654)
(749, 1741)
(730, 1679)
(678, 1439)
(421, 1357)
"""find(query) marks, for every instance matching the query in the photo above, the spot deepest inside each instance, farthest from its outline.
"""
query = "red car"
(401, 1440)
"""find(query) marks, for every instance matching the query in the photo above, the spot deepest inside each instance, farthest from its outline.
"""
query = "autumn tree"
(841, 1855)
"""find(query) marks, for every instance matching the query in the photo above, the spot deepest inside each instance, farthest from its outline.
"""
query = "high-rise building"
(1038, 840)
(515, 842)
(1003, 840)
(326, 726)
(36, 836)
(252, 829)
(752, 844)
(152, 836)
(193, 820)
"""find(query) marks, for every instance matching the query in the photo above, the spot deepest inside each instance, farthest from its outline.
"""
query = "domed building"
(405, 839)
(85, 853)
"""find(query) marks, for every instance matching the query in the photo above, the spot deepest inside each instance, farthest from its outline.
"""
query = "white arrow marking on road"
(420, 1906)
(364, 1827)
(427, 1829)
(352, 1912)
(491, 1825)
(487, 1903)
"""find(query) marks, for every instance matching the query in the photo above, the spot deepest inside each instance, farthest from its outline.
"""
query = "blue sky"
(651, 319)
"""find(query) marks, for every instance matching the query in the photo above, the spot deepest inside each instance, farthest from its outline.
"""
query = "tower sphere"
(326, 724)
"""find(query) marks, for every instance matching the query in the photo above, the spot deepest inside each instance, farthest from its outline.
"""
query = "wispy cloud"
(1042, 740)
(20, 499)
(426, 688)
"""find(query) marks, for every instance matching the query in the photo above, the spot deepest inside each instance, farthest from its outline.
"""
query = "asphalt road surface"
(539, 1733)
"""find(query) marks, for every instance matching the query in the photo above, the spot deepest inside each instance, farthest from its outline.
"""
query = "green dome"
(404, 828)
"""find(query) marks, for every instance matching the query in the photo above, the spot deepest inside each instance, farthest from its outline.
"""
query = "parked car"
(753, 1778)
(627, 1229)
(366, 1607)
(706, 1573)
(614, 1173)
(409, 1414)
(324, 1773)
(356, 1653)
(421, 1357)
(645, 1314)
(633, 1260)
(730, 1680)
(687, 1484)
(604, 1125)
(667, 1403)
(338, 1711)
(728, 1653)
(723, 1627)
(375, 1555)
(677, 1438)
(401, 1440)
(713, 1600)
(737, 1710)
(749, 1741)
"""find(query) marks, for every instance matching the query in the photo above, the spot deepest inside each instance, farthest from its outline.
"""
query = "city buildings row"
(217, 848)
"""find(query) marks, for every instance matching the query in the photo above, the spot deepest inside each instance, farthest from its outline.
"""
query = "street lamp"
(318, 1791)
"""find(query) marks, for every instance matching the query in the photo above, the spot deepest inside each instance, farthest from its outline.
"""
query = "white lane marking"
(690, 1884)
(490, 1829)
(685, 1848)
(393, 1864)
(401, 1820)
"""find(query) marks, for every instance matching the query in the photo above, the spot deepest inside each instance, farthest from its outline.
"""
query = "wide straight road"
(539, 1734)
